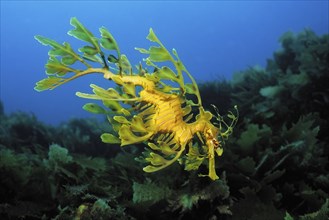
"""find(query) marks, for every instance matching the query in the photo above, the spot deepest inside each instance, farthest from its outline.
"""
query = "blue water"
(214, 40)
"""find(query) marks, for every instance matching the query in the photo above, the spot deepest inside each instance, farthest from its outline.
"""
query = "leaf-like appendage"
(108, 41)
(150, 169)
(166, 149)
(64, 50)
(125, 65)
(166, 73)
(60, 67)
(82, 33)
(88, 50)
(158, 162)
(94, 58)
(152, 37)
(156, 54)
(110, 138)
(101, 92)
(94, 108)
(190, 88)
(142, 50)
(137, 124)
(153, 146)
(54, 66)
(194, 158)
(116, 107)
(128, 137)
(115, 125)
(113, 93)
(48, 83)
(187, 110)
(121, 119)
(159, 54)
(156, 159)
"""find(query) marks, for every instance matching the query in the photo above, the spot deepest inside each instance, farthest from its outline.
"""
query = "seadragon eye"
(215, 142)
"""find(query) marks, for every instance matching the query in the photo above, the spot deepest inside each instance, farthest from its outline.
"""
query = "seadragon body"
(159, 115)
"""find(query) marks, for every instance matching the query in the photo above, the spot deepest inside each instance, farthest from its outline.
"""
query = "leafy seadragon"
(145, 107)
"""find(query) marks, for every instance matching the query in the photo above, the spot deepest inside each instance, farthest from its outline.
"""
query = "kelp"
(283, 130)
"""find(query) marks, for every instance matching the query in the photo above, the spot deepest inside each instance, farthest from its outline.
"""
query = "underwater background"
(270, 58)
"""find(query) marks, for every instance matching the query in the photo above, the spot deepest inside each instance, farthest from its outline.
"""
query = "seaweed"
(281, 142)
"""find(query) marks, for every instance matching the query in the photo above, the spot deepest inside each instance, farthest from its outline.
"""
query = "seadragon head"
(215, 135)
(212, 130)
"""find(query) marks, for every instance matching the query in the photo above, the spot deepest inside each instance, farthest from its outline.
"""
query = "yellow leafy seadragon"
(145, 107)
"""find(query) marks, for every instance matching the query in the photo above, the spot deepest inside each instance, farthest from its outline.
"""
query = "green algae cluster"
(275, 166)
